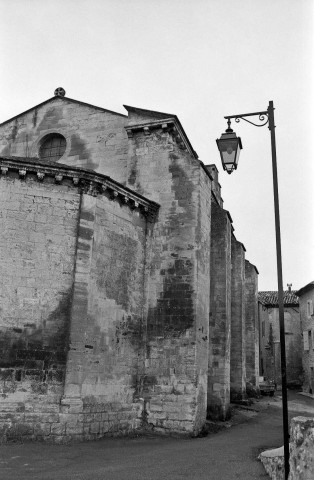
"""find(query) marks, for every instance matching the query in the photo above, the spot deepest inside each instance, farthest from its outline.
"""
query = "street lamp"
(229, 146)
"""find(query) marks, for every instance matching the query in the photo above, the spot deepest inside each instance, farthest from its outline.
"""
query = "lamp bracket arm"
(261, 116)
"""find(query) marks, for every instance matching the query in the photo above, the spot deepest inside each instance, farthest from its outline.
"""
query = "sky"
(200, 60)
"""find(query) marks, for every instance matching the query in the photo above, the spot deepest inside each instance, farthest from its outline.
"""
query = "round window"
(53, 147)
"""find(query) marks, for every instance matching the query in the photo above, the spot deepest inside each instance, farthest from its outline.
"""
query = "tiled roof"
(270, 299)
(307, 288)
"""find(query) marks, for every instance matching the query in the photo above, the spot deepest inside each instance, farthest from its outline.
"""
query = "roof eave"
(162, 116)
(305, 289)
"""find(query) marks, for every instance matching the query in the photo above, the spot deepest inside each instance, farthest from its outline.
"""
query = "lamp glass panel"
(229, 146)
(228, 150)
(228, 157)
(237, 155)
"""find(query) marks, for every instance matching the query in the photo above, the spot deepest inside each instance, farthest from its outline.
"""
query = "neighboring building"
(126, 300)
(270, 363)
(306, 298)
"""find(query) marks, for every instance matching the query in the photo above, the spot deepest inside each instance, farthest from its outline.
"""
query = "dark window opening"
(52, 148)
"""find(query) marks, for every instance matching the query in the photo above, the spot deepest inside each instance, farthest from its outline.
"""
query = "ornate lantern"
(229, 146)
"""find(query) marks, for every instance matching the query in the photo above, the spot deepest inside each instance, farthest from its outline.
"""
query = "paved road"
(229, 454)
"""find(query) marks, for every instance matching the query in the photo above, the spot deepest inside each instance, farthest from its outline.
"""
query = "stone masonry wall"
(38, 226)
(218, 388)
(252, 328)
(301, 455)
(95, 138)
(237, 356)
(307, 345)
(216, 187)
(203, 301)
(72, 301)
(102, 390)
(302, 449)
(174, 380)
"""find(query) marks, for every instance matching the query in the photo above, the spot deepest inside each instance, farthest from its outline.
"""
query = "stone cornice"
(228, 215)
(219, 201)
(207, 172)
(251, 264)
(168, 124)
(240, 243)
(88, 182)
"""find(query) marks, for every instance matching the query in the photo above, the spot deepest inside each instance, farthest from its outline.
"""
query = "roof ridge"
(145, 111)
(62, 98)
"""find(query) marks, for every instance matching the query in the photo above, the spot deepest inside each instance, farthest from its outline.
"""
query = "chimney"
(289, 285)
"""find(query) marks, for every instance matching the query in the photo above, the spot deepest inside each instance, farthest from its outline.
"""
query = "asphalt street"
(229, 454)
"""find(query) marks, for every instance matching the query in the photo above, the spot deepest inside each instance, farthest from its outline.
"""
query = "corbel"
(58, 177)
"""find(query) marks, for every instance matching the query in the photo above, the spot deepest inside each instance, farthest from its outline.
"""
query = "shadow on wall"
(36, 354)
(174, 312)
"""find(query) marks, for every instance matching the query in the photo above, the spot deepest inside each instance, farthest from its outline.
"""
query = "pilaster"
(237, 362)
(79, 313)
(218, 389)
(251, 328)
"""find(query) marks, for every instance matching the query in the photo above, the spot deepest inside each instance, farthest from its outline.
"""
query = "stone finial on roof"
(59, 92)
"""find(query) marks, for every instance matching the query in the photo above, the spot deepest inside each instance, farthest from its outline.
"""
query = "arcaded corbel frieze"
(58, 177)
(89, 187)
(87, 181)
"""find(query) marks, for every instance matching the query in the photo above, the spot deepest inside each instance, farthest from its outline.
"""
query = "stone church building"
(126, 299)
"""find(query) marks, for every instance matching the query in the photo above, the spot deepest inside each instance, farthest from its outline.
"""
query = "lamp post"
(229, 146)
